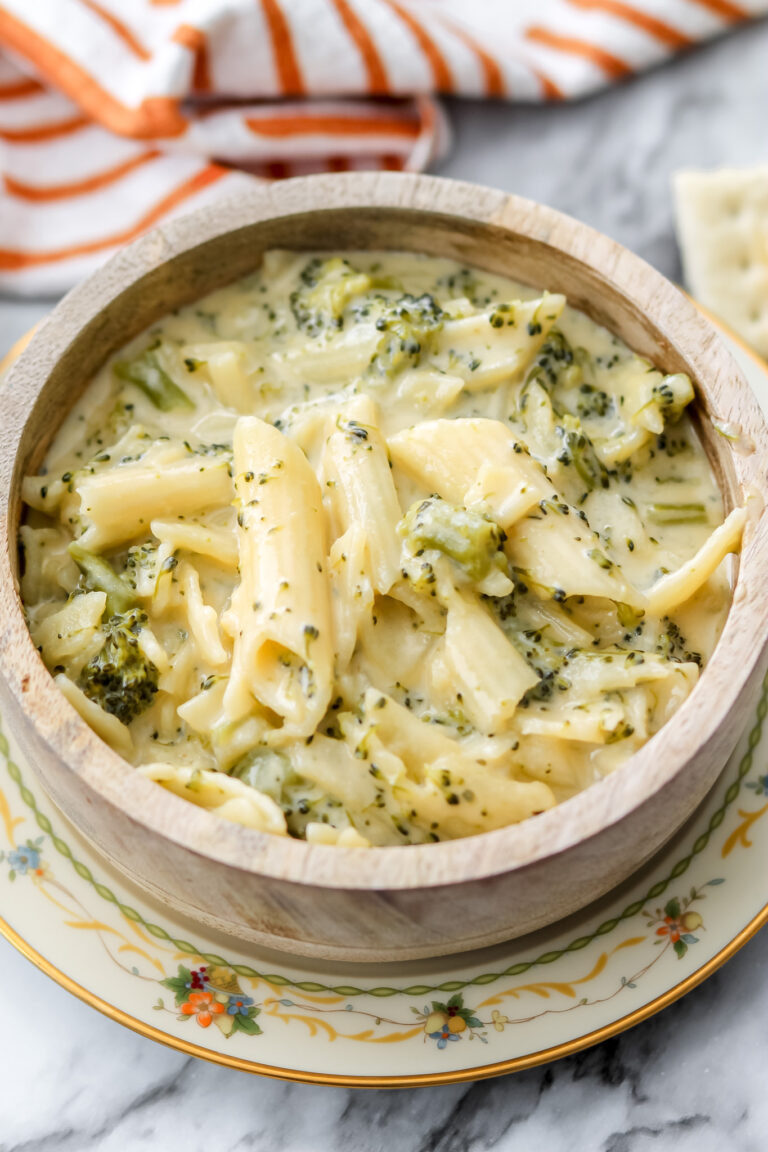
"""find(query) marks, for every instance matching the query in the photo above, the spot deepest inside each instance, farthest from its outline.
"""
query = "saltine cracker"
(722, 225)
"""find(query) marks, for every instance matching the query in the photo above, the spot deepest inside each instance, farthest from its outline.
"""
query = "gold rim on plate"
(483, 1071)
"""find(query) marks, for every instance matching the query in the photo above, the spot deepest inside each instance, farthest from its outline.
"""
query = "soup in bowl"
(374, 548)
(383, 550)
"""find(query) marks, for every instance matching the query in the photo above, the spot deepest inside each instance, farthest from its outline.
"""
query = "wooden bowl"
(382, 903)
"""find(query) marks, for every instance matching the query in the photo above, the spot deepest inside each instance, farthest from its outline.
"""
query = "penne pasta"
(498, 343)
(280, 618)
(119, 505)
(224, 795)
(352, 594)
(108, 727)
(181, 535)
(489, 676)
(677, 587)
(371, 549)
(73, 631)
(360, 488)
(473, 462)
(203, 620)
(555, 549)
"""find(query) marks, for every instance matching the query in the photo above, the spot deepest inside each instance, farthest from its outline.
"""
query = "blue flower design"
(239, 1005)
(24, 858)
(443, 1037)
(761, 786)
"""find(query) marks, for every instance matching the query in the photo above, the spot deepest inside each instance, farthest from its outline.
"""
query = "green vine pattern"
(382, 991)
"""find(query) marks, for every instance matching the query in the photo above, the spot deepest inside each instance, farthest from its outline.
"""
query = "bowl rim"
(576, 820)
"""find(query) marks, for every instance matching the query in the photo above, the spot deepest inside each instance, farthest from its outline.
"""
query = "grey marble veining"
(691, 1079)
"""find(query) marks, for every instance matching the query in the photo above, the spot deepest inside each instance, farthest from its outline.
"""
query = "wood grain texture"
(386, 903)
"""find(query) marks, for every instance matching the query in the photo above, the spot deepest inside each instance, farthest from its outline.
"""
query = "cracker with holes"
(722, 225)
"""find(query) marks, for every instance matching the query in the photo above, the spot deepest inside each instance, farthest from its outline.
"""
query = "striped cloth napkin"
(116, 115)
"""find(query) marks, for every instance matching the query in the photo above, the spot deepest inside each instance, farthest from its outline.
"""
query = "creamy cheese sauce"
(490, 621)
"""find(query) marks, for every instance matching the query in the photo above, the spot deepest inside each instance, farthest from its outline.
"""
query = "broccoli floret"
(465, 283)
(302, 801)
(672, 395)
(408, 326)
(120, 679)
(555, 364)
(100, 576)
(550, 682)
(327, 286)
(593, 402)
(469, 538)
(674, 646)
(578, 450)
(146, 372)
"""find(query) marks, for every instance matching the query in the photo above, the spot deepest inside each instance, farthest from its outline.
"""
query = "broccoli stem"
(578, 450)
(677, 513)
(471, 539)
(100, 576)
(147, 374)
(554, 366)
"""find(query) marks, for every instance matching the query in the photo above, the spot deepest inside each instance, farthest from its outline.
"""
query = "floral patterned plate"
(455, 1018)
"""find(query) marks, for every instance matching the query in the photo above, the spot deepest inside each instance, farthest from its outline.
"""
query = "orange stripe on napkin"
(280, 126)
(288, 69)
(492, 73)
(36, 133)
(155, 116)
(121, 30)
(378, 81)
(662, 32)
(613, 67)
(549, 89)
(441, 73)
(197, 43)
(19, 88)
(724, 8)
(46, 192)
(11, 260)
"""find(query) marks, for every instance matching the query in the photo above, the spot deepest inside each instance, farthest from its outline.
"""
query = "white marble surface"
(693, 1078)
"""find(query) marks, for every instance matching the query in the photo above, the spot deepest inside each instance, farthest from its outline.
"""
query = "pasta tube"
(473, 461)
(217, 543)
(498, 343)
(225, 795)
(118, 504)
(361, 489)
(280, 617)
(672, 590)
(490, 675)
(556, 550)
(351, 593)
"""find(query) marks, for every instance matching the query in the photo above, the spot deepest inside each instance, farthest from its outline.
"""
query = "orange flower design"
(671, 927)
(677, 926)
(202, 1005)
